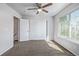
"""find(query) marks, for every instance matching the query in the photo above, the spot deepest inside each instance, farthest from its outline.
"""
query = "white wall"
(24, 29)
(6, 27)
(38, 27)
(67, 43)
(50, 28)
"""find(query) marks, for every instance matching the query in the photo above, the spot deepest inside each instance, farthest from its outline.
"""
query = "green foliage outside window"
(69, 25)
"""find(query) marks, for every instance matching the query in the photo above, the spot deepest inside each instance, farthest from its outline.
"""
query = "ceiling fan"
(40, 8)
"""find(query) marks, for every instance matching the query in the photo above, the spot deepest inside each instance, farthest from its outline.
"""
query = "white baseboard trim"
(66, 48)
(6, 50)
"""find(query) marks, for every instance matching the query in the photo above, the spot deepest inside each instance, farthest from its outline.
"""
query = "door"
(24, 29)
(16, 29)
(38, 29)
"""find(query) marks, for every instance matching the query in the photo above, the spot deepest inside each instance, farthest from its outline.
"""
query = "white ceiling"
(21, 8)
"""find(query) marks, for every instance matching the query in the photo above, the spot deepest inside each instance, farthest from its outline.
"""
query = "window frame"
(65, 37)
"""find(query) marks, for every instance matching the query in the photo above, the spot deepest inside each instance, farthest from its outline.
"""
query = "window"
(64, 26)
(69, 25)
(74, 25)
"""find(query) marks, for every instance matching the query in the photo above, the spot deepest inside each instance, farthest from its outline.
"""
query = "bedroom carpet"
(37, 48)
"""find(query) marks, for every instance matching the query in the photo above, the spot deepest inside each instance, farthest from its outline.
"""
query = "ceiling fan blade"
(45, 10)
(37, 12)
(38, 5)
(49, 4)
(32, 8)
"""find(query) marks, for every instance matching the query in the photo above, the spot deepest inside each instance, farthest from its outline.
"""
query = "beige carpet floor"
(37, 48)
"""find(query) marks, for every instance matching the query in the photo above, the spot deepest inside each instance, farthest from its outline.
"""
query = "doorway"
(38, 29)
(16, 29)
(24, 29)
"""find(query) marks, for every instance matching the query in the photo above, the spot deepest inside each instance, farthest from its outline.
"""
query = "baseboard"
(38, 39)
(21, 40)
(6, 50)
(65, 48)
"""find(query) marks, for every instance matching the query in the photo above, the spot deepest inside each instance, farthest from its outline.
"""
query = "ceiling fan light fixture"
(39, 10)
